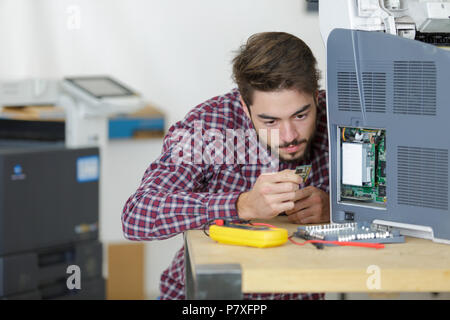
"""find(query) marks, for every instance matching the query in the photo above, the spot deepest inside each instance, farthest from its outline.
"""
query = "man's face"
(289, 111)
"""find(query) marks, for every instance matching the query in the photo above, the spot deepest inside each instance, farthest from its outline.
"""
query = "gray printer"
(49, 210)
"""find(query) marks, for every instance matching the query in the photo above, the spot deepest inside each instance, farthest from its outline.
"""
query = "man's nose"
(287, 133)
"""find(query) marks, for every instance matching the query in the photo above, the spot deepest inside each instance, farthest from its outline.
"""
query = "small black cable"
(207, 224)
(226, 221)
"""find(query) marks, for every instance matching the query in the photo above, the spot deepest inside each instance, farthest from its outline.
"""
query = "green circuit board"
(370, 186)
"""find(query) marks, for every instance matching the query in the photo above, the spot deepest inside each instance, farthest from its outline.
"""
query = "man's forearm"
(160, 215)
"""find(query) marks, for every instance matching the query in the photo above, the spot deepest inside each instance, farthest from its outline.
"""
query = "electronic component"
(363, 163)
(357, 167)
(247, 235)
(302, 233)
(303, 171)
(353, 232)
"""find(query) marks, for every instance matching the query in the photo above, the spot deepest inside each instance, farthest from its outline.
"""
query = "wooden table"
(218, 271)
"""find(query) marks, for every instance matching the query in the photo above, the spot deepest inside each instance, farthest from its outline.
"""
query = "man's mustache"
(292, 143)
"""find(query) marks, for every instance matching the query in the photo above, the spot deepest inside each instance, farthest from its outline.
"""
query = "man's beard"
(303, 157)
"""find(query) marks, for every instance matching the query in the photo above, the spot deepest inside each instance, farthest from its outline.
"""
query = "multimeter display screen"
(101, 87)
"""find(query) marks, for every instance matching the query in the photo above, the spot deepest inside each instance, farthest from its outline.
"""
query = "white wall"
(176, 53)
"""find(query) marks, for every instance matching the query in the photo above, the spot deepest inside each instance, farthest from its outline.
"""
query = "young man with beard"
(277, 78)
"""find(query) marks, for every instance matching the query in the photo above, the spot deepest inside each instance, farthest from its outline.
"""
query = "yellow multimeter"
(247, 235)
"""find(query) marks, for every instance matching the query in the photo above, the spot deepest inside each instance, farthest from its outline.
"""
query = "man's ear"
(245, 107)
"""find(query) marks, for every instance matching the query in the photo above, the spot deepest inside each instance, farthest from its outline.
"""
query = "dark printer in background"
(49, 212)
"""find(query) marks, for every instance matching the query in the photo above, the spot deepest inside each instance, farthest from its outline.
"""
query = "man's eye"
(269, 123)
(301, 116)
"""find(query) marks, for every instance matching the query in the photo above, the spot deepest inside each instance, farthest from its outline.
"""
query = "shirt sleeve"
(321, 157)
(172, 199)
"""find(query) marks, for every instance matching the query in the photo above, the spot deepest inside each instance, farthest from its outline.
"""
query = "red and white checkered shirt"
(175, 196)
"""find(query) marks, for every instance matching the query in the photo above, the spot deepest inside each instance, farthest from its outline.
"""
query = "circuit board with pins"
(354, 232)
(303, 171)
(363, 165)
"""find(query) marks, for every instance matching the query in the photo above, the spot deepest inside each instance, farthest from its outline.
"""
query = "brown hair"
(272, 61)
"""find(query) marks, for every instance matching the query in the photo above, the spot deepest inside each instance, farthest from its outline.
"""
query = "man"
(277, 81)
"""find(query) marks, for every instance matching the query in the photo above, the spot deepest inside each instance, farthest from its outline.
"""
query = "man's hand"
(312, 205)
(272, 194)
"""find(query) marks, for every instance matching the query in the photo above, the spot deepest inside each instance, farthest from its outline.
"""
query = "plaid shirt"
(177, 196)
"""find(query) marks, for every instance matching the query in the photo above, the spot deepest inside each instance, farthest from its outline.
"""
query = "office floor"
(389, 296)
(377, 296)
